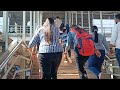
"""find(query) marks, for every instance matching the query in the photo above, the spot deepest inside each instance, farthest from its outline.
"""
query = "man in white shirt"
(115, 39)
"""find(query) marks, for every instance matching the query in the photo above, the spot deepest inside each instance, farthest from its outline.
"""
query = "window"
(108, 26)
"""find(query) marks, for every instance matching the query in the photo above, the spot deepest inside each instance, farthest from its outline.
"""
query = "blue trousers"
(117, 51)
(95, 63)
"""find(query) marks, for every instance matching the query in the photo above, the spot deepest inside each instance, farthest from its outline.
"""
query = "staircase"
(34, 71)
(67, 71)
(70, 71)
(35, 68)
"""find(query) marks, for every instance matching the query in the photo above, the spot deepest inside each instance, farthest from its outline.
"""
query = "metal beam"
(5, 31)
(23, 50)
(92, 17)
(82, 18)
(24, 25)
(76, 17)
(72, 17)
(69, 18)
(41, 18)
(16, 27)
(34, 20)
(38, 19)
(31, 25)
(89, 20)
(65, 17)
(101, 21)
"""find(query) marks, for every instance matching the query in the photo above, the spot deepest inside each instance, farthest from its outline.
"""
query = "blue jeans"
(49, 64)
(80, 62)
(117, 51)
(95, 63)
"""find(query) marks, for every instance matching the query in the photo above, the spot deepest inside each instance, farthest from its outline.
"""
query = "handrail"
(111, 67)
(31, 52)
(23, 44)
(9, 56)
(4, 54)
(19, 56)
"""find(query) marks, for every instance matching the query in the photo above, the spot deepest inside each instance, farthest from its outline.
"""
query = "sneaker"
(69, 59)
(84, 76)
(65, 61)
(100, 75)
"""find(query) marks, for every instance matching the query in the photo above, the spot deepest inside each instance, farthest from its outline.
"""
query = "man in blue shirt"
(63, 37)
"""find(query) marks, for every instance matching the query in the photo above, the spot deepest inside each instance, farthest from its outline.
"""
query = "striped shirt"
(64, 38)
(43, 47)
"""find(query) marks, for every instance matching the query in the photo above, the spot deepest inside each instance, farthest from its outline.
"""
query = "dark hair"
(62, 26)
(73, 26)
(63, 30)
(95, 29)
(51, 20)
(57, 17)
(78, 28)
(117, 16)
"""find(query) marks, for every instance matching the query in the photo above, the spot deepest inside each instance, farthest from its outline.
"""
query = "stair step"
(35, 73)
(105, 76)
(68, 77)
(34, 77)
(68, 71)
(35, 68)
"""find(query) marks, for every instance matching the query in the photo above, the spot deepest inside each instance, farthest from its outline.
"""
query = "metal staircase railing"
(110, 67)
(8, 56)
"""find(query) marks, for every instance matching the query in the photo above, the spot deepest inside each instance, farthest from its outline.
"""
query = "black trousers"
(80, 61)
(49, 64)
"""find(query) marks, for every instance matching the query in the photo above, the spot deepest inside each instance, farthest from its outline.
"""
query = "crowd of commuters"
(55, 40)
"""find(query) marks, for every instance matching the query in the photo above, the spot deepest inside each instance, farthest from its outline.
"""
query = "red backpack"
(85, 44)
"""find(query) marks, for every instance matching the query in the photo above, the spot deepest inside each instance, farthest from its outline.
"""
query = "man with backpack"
(83, 47)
